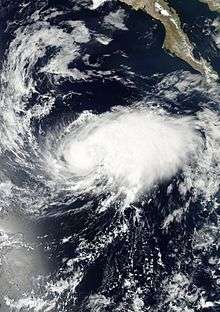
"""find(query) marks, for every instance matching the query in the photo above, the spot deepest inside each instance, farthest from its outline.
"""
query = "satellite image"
(109, 155)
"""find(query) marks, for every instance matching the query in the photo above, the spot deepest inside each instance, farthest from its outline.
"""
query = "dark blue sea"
(109, 160)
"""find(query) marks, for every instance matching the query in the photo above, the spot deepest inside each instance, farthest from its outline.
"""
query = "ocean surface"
(109, 160)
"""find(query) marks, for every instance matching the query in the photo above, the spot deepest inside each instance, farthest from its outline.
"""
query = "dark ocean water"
(132, 68)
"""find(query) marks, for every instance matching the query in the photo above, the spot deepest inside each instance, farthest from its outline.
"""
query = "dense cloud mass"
(109, 162)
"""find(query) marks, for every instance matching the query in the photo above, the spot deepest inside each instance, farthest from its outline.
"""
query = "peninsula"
(176, 41)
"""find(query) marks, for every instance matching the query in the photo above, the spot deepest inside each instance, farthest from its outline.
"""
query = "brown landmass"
(214, 5)
(176, 41)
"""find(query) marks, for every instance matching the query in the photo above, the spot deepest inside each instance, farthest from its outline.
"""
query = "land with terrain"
(176, 40)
